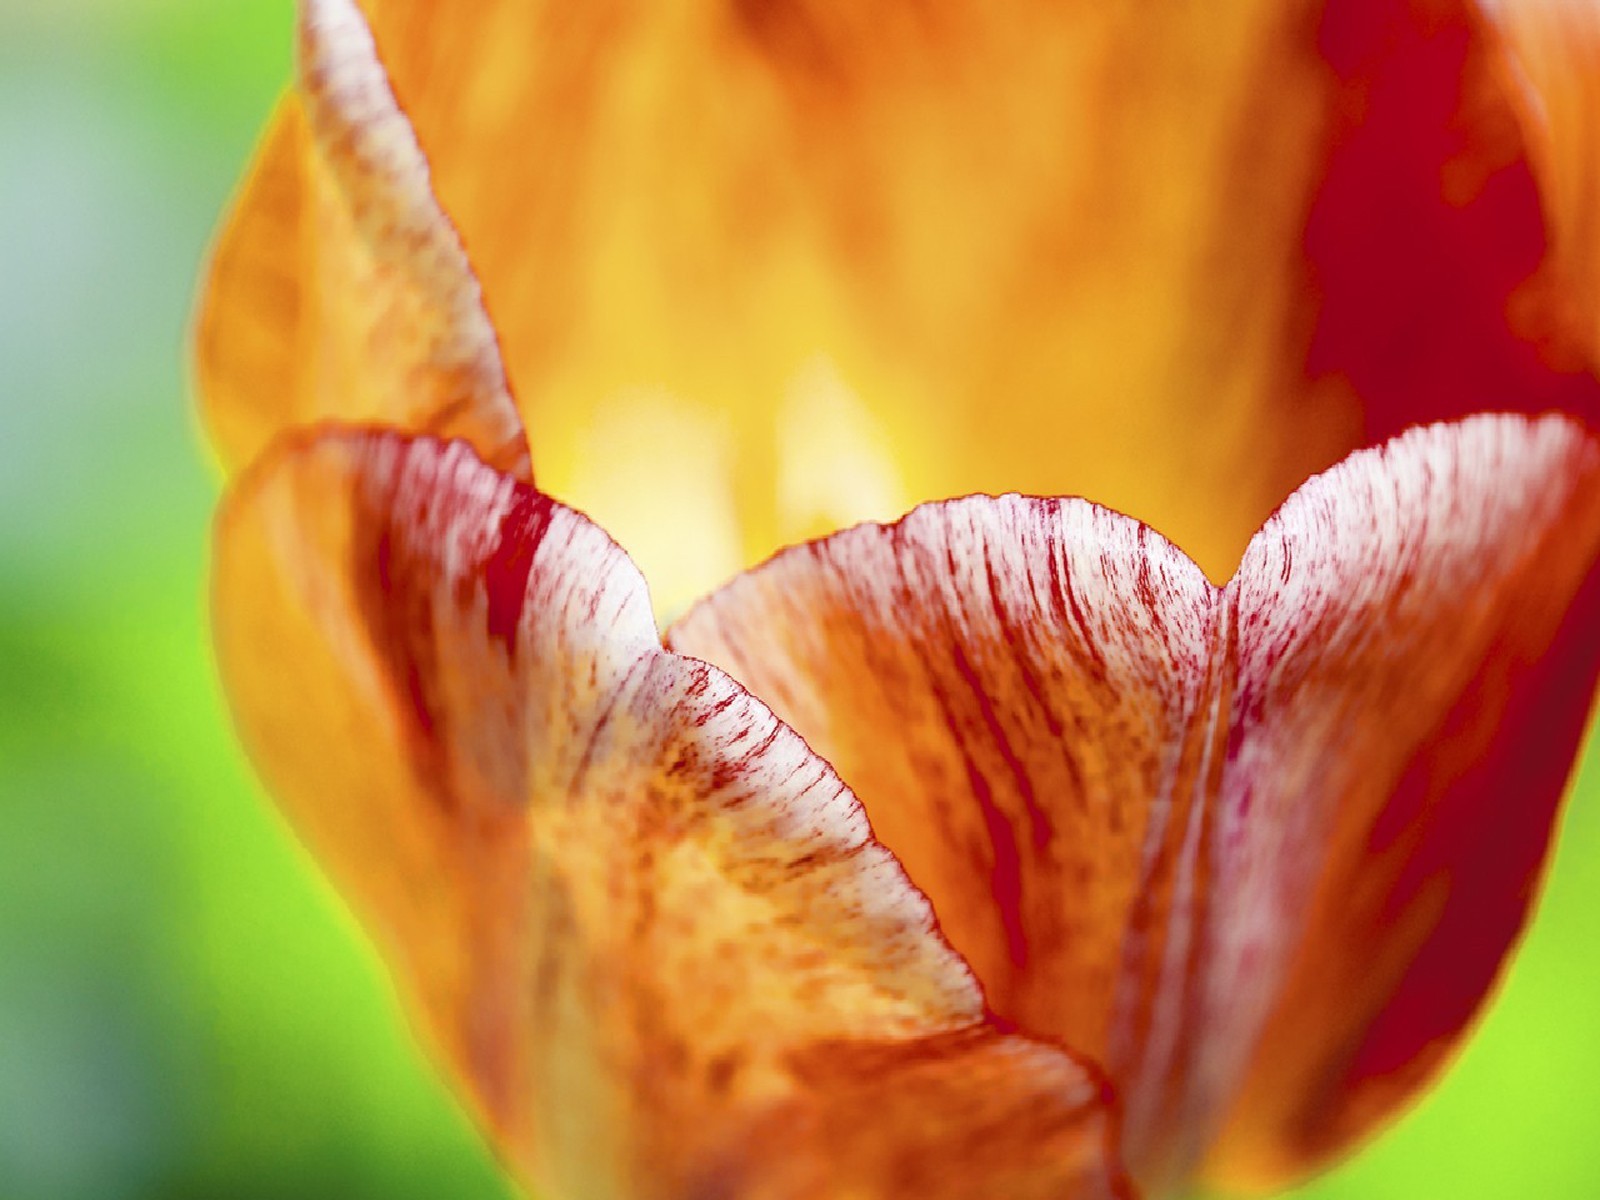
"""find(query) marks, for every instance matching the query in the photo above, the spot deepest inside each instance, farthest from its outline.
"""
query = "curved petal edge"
(646, 929)
(338, 288)
(1260, 850)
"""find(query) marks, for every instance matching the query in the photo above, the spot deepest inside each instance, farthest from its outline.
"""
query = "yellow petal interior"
(832, 263)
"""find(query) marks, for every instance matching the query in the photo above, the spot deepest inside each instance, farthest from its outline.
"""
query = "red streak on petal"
(506, 570)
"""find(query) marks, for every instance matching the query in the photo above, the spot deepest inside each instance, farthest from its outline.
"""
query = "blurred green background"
(185, 1010)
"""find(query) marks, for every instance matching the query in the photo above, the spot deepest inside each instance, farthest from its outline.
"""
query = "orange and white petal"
(1257, 850)
(1021, 692)
(338, 289)
(643, 925)
(1418, 640)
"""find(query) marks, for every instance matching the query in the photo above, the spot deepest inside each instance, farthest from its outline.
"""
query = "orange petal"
(834, 261)
(338, 288)
(647, 928)
(791, 232)
(1161, 820)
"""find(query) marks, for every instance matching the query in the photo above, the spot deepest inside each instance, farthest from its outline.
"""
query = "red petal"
(1430, 668)
(1445, 282)
(1157, 817)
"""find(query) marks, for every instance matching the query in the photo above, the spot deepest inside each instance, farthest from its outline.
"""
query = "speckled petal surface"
(1258, 849)
(646, 929)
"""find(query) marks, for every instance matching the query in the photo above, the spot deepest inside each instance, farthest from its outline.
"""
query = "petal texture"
(1258, 849)
(1197, 254)
(642, 923)
(338, 288)
(1420, 667)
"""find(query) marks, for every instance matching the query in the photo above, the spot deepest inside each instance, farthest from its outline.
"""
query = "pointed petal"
(1419, 633)
(1158, 818)
(1019, 691)
(338, 288)
(641, 922)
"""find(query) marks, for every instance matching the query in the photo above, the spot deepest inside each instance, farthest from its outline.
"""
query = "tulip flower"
(998, 851)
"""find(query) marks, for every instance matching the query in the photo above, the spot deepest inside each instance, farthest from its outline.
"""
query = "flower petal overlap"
(647, 928)
(1159, 818)
(1164, 881)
